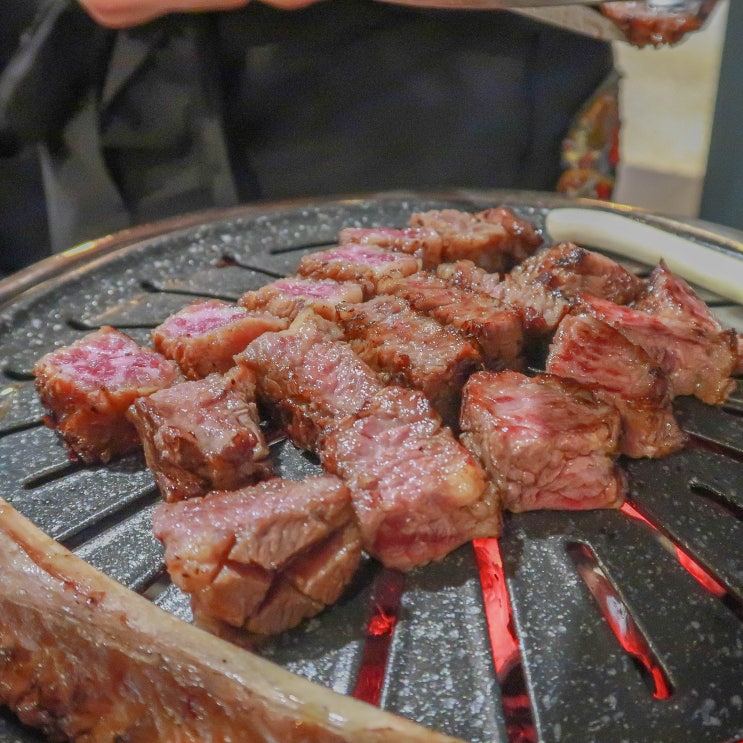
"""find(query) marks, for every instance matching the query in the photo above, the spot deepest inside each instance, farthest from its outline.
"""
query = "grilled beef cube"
(467, 275)
(539, 308)
(425, 244)
(494, 239)
(362, 264)
(572, 270)
(88, 386)
(546, 442)
(288, 297)
(203, 435)
(265, 557)
(620, 373)
(669, 296)
(496, 329)
(308, 377)
(417, 492)
(412, 350)
(204, 336)
(698, 362)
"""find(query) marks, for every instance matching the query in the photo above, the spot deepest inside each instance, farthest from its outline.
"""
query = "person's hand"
(124, 13)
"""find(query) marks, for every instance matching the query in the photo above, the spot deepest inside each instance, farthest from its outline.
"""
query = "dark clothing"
(342, 97)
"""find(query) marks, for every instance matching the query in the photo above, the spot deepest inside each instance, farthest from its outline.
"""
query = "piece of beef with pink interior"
(571, 270)
(669, 296)
(86, 388)
(698, 361)
(494, 239)
(417, 492)
(203, 435)
(263, 558)
(597, 356)
(496, 329)
(309, 377)
(544, 287)
(421, 242)
(540, 309)
(289, 296)
(411, 349)
(545, 442)
(359, 263)
(205, 335)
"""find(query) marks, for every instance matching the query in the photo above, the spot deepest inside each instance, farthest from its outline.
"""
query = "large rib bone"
(84, 658)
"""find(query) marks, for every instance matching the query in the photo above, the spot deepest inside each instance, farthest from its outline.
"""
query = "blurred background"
(679, 145)
(668, 102)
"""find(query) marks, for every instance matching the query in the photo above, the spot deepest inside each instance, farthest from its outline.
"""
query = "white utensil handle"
(713, 269)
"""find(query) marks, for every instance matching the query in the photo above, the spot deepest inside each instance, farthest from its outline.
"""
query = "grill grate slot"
(620, 619)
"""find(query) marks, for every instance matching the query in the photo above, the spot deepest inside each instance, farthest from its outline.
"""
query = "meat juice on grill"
(496, 329)
(597, 356)
(265, 557)
(309, 377)
(288, 297)
(516, 426)
(86, 388)
(84, 658)
(411, 349)
(363, 264)
(417, 492)
(204, 336)
(203, 435)
(494, 239)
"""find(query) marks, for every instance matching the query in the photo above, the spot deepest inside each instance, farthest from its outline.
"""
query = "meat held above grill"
(643, 24)
(597, 356)
(86, 659)
(87, 387)
(411, 349)
(203, 435)
(203, 337)
(265, 557)
(545, 442)
(417, 492)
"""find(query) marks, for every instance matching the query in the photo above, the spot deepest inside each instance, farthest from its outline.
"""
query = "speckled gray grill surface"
(582, 685)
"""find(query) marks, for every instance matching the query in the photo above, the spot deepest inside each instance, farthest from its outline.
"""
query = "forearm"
(125, 13)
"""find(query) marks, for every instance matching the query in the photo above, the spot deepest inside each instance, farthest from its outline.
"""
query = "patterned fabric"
(590, 152)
